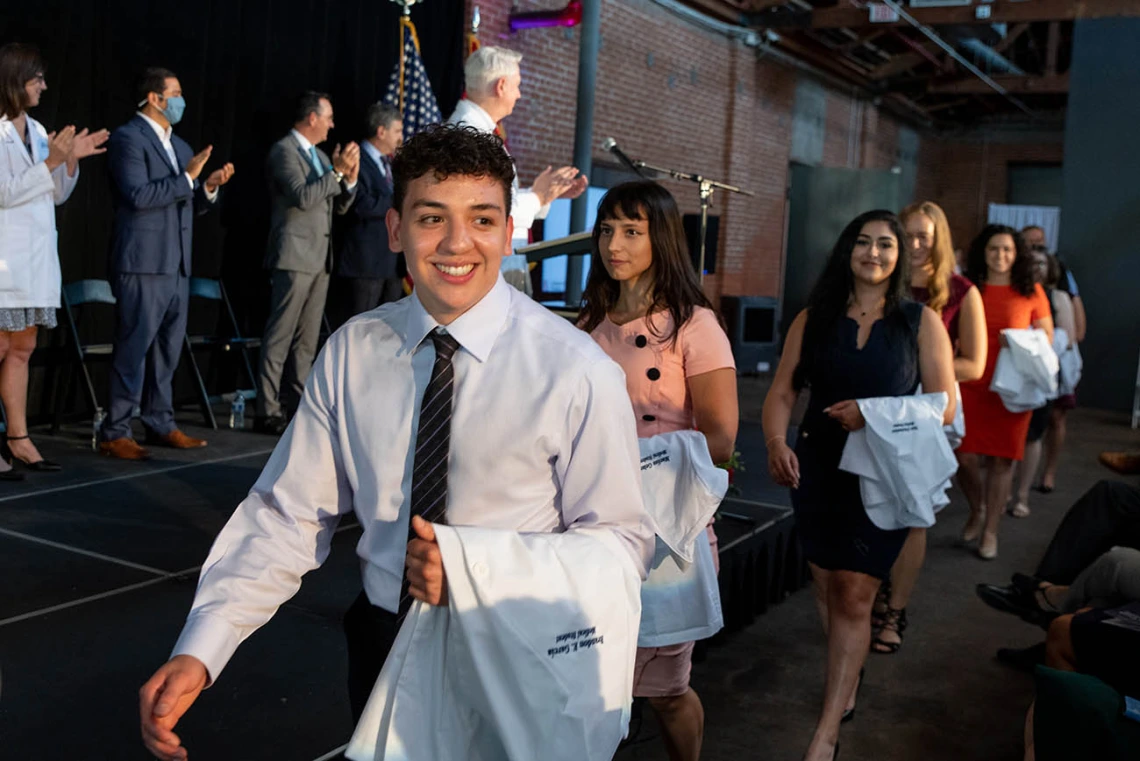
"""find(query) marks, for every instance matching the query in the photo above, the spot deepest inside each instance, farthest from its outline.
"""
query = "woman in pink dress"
(644, 305)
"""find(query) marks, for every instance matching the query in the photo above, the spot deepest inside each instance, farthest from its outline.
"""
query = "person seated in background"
(366, 269)
(1107, 516)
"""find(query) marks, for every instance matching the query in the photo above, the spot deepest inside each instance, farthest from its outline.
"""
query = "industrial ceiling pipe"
(571, 15)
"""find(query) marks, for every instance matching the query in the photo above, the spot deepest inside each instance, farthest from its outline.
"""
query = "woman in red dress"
(998, 263)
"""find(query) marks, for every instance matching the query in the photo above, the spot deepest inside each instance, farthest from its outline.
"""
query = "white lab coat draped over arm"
(282, 530)
(603, 422)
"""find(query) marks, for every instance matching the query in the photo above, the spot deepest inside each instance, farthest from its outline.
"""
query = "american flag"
(409, 89)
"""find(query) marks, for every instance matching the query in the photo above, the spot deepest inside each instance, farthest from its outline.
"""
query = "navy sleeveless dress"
(833, 527)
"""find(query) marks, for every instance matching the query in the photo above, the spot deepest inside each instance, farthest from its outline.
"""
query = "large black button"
(653, 373)
(648, 418)
(641, 341)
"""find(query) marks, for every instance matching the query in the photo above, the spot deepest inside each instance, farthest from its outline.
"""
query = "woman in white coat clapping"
(38, 171)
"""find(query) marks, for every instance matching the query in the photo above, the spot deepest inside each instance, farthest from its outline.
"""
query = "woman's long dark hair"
(1020, 277)
(675, 284)
(18, 64)
(831, 295)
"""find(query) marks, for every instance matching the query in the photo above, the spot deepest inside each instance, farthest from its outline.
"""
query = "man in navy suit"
(366, 269)
(156, 194)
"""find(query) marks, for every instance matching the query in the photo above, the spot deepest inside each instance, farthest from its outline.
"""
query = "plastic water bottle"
(237, 412)
(96, 426)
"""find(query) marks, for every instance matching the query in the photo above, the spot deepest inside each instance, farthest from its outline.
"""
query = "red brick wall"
(675, 94)
(966, 177)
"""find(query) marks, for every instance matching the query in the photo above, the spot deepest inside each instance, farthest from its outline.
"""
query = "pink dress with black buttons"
(656, 373)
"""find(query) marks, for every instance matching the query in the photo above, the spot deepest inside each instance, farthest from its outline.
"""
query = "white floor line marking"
(332, 753)
(93, 598)
(129, 476)
(81, 551)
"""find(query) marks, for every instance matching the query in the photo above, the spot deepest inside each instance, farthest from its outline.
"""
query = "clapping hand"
(219, 177)
(195, 165)
(60, 146)
(87, 144)
(577, 186)
(556, 183)
(347, 161)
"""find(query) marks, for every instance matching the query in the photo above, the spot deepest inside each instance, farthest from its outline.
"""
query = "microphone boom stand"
(706, 187)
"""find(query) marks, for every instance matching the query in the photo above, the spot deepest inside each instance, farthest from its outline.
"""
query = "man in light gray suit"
(307, 187)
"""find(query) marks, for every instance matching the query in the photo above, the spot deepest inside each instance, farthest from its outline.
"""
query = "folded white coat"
(956, 429)
(531, 658)
(903, 459)
(1069, 357)
(682, 489)
(1025, 376)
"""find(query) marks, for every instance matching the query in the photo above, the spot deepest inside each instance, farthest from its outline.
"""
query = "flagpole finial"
(475, 21)
(407, 5)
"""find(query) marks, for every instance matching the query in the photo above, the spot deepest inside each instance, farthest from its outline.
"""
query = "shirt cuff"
(349, 186)
(211, 195)
(211, 640)
(189, 179)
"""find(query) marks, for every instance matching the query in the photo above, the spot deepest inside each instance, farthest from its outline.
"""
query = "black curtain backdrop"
(240, 63)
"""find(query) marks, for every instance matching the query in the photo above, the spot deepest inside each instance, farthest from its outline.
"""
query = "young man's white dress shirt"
(543, 439)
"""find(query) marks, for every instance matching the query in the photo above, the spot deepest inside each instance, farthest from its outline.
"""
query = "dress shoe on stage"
(176, 439)
(274, 425)
(1010, 599)
(125, 448)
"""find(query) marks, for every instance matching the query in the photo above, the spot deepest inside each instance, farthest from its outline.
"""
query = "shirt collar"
(306, 146)
(374, 152)
(163, 134)
(475, 330)
(475, 115)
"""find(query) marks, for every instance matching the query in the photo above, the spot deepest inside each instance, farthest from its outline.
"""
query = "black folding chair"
(75, 296)
(214, 290)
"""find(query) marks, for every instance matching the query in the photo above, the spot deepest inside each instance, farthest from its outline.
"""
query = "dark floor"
(99, 564)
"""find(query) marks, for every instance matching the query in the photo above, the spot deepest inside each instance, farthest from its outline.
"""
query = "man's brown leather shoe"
(176, 439)
(125, 448)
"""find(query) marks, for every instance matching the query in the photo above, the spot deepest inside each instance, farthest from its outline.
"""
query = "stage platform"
(100, 563)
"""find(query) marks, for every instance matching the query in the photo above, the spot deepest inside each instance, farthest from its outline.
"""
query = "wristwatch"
(339, 175)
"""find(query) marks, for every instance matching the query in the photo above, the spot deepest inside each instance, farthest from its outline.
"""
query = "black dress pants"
(370, 632)
(1106, 516)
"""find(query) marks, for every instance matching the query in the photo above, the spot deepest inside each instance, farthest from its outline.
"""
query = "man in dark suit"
(157, 190)
(366, 270)
(306, 187)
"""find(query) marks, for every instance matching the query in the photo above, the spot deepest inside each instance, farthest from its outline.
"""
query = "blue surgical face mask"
(174, 108)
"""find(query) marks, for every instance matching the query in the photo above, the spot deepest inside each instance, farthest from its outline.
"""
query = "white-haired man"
(493, 82)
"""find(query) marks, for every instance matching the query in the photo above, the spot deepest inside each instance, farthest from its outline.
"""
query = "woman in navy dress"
(859, 337)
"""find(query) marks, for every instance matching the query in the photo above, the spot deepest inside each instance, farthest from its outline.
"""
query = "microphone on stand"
(609, 144)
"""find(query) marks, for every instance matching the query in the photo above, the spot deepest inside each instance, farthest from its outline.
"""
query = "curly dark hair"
(1020, 277)
(831, 295)
(447, 149)
(675, 284)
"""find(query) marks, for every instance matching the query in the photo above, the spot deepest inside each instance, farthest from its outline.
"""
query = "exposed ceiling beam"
(1013, 83)
(903, 62)
(1000, 11)
(1011, 37)
(1054, 47)
(722, 10)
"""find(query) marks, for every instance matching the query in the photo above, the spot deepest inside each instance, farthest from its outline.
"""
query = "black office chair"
(215, 290)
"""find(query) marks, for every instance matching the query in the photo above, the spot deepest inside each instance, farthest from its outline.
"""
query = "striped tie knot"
(445, 345)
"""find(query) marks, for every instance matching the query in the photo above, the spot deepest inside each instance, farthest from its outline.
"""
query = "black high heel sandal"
(41, 465)
(849, 714)
(894, 620)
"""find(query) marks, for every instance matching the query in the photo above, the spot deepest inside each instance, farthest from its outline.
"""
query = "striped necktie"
(433, 443)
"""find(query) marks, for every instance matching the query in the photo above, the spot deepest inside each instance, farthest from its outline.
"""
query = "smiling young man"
(466, 403)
